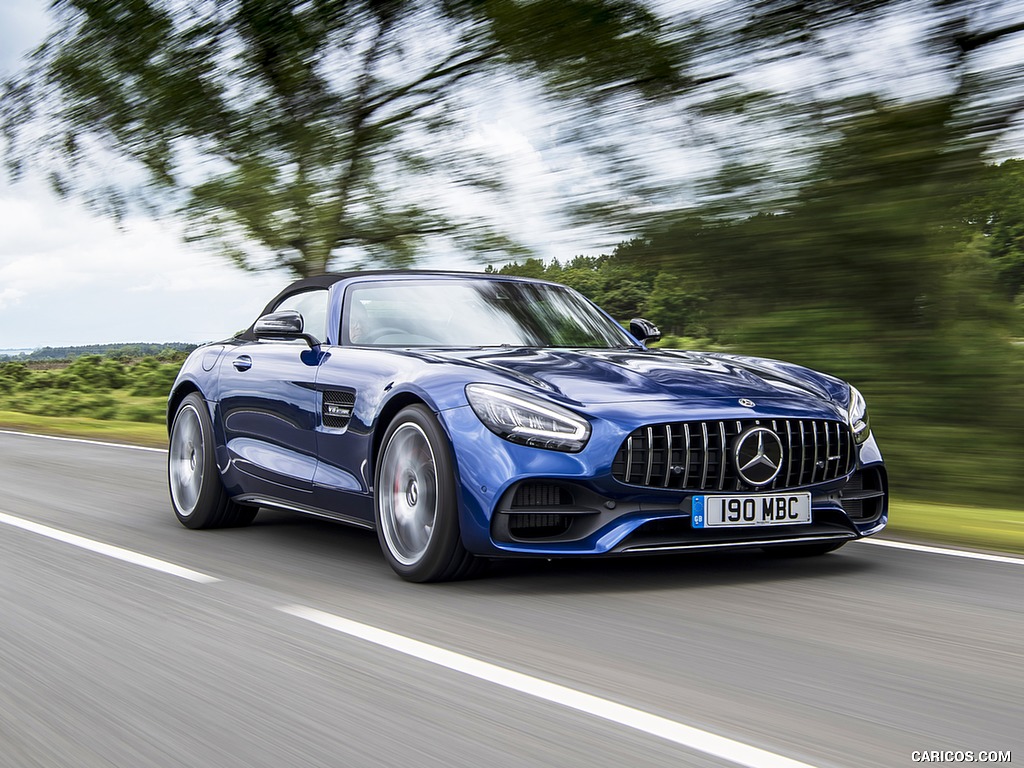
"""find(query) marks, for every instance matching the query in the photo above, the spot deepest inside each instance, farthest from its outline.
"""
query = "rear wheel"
(805, 550)
(415, 501)
(197, 493)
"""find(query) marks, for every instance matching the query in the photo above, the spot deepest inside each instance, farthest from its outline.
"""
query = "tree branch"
(972, 41)
(444, 68)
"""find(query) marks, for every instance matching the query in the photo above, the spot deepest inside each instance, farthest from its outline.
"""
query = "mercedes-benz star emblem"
(758, 455)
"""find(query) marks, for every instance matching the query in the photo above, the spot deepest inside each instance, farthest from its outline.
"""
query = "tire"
(415, 502)
(197, 493)
(804, 550)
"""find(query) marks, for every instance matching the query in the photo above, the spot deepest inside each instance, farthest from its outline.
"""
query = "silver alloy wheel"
(186, 460)
(408, 493)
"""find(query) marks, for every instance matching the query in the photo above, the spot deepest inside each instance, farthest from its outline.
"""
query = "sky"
(69, 277)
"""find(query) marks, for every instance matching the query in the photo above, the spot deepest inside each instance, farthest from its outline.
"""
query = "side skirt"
(256, 500)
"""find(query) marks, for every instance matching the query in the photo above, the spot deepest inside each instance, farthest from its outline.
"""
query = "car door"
(352, 383)
(269, 407)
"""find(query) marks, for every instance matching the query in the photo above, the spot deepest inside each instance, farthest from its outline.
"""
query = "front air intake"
(541, 495)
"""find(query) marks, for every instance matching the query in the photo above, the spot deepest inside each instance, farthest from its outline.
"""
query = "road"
(858, 658)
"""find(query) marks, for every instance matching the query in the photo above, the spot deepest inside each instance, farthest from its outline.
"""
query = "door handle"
(243, 363)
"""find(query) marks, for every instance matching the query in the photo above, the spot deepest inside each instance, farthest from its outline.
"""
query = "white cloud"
(23, 23)
(68, 277)
(10, 296)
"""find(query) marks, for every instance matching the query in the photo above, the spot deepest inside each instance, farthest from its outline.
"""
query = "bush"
(150, 412)
(12, 376)
(95, 405)
(93, 372)
(151, 378)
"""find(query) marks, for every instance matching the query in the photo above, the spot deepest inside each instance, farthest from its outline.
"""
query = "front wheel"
(197, 493)
(415, 502)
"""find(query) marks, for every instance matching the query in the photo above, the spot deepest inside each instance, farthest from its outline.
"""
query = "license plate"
(750, 511)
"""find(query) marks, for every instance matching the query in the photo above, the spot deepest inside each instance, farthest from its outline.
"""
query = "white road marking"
(685, 735)
(109, 550)
(944, 551)
(82, 440)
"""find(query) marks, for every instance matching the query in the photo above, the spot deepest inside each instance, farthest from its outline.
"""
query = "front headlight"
(528, 420)
(858, 414)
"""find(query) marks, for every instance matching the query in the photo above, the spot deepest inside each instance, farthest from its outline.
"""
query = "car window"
(475, 313)
(312, 305)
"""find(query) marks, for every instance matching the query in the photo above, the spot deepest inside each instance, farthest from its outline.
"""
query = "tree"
(995, 218)
(295, 131)
(677, 306)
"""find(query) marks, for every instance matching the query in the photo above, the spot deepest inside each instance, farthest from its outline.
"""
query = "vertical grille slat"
(668, 455)
(699, 456)
(778, 477)
(721, 455)
(650, 455)
(828, 447)
(789, 452)
(803, 455)
(686, 457)
(704, 472)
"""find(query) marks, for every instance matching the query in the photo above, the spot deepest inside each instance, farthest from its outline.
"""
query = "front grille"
(700, 455)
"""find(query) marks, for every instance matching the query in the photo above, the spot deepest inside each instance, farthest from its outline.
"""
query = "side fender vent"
(337, 407)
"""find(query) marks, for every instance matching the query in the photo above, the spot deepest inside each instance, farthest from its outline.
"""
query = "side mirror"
(286, 324)
(643, 330)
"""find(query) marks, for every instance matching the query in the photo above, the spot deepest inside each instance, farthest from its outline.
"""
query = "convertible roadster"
(474, 416)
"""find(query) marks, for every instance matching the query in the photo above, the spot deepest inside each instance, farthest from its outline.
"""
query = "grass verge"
(135, 432)
(982, 527)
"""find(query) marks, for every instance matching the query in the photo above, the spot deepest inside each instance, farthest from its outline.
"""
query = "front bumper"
(520, 501)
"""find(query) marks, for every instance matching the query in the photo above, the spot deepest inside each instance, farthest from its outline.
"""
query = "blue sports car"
(474, 416)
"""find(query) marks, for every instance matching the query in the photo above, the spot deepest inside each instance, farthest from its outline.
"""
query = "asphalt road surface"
(291, 643)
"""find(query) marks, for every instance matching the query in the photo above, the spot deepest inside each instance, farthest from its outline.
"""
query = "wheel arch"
(183, 390)
(387, 415)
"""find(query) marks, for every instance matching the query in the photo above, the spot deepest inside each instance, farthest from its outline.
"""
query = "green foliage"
(97, 405)
(150, 377)
(13, 376)
(677, 306)
(994, 219)
(314, 120)
(146, 411)
(92, 372)
(173, 352)
(91, 385)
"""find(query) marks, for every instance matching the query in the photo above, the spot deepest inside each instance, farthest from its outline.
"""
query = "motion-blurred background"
(831, 183)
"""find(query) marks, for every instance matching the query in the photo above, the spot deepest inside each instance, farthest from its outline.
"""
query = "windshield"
(475, 313)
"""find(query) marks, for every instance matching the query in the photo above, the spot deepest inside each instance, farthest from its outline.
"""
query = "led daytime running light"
(521, 418)
(858, 415)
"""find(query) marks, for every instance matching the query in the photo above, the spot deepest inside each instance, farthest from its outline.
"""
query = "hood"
(592, 377)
